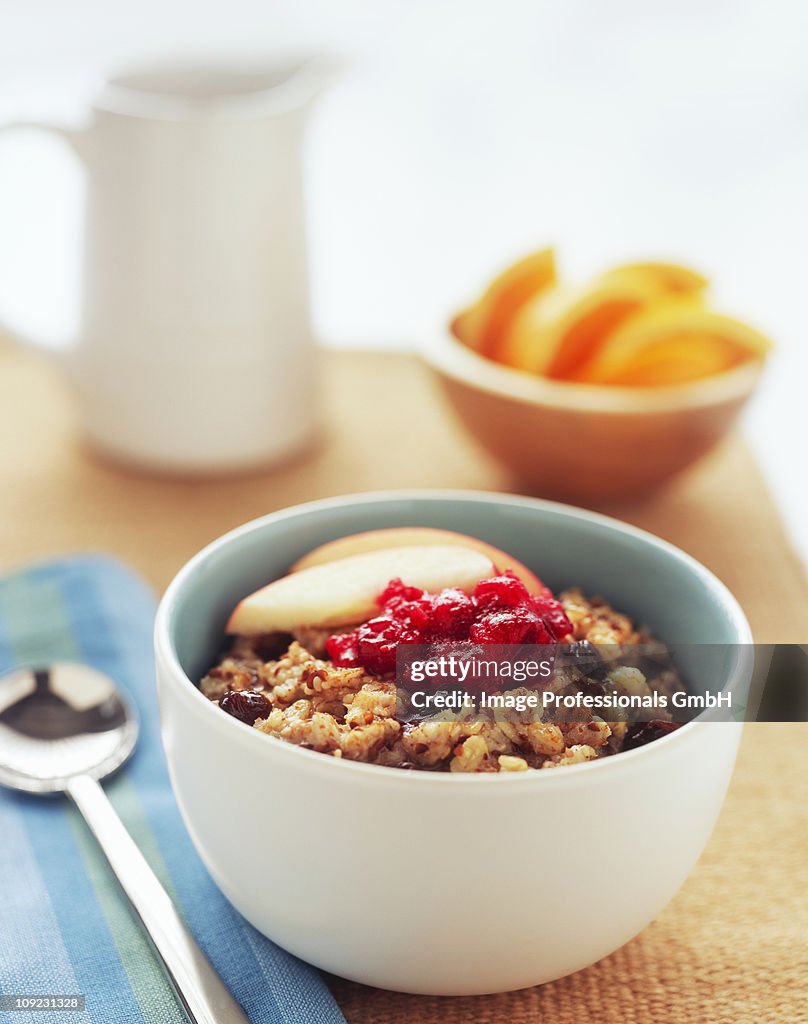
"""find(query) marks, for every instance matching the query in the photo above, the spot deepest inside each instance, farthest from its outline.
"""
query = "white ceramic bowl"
(438, 883)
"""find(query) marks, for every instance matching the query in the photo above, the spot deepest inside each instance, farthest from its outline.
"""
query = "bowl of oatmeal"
(463, 850)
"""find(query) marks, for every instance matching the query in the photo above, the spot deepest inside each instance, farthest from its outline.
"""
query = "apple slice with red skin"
(407, 536)
(346, 591)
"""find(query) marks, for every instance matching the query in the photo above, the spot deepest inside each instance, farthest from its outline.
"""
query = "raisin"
(640, 733)
(245, 705)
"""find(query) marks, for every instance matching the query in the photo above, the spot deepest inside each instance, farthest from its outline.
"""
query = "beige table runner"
(733, 945)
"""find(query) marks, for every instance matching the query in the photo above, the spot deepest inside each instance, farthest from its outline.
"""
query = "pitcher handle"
(76, 139)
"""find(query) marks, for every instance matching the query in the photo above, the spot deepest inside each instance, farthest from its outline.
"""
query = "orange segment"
(638, 324)
(559, 331)
(672, 343)
(482, 326)
(585, 334)
(679, 360)
(659, 278)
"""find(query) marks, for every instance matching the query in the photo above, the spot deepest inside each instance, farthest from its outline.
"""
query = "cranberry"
(452, 613)
(406, 604)
(505, 591)
(510, 626)
(377, 641)
(416, 614)
(500, 611)
(398, 590)
(341, 649)
(245, 705)
(553, 615)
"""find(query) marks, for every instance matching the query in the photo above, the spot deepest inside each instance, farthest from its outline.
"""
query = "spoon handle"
(200, 989)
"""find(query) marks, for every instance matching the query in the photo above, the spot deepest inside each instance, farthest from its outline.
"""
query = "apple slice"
(409, 536)
(346, 591)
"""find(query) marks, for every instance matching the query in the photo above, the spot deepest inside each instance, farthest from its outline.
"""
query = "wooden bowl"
(582, 441)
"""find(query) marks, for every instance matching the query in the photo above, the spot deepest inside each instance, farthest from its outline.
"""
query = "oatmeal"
(333, 689)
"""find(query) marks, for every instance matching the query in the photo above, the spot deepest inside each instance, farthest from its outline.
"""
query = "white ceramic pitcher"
(195, 351)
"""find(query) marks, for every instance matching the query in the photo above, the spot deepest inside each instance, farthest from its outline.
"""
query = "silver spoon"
(62, 728)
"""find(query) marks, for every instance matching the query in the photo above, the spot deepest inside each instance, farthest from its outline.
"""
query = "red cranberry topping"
(397, 590)
(342, 649)
(500, 592)
(510, 626)
(500, 611)
(452, 615)
(377, 640)
(245, 705)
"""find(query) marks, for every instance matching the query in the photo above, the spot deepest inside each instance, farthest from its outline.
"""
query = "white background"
(463, 134)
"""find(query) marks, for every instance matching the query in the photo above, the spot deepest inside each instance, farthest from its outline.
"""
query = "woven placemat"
(733, 945)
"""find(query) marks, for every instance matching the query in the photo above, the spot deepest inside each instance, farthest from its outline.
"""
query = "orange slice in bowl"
(660, 278)
(483, 324)
(670, 343)
(559, 331)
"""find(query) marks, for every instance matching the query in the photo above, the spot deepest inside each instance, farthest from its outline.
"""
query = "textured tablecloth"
(733, 945)
(64, 925)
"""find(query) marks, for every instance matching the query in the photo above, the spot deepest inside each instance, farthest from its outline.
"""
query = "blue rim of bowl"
(164, 642)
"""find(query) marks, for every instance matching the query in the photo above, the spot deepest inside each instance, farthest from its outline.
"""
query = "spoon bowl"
(59, 722)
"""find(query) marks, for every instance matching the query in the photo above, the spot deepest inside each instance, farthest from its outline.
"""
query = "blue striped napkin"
(65, 928)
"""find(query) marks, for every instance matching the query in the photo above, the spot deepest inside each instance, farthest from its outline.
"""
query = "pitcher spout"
(222, 89)
(310, 76)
